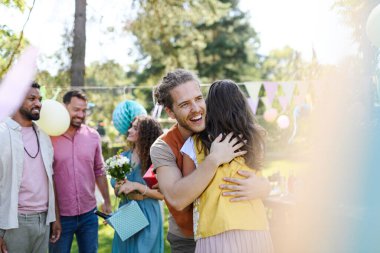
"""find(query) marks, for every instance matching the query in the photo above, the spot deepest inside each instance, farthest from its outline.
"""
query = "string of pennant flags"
(281, 100)
(294, 99)
(287, 94)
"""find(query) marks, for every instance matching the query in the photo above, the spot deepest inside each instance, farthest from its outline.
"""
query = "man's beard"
(29, 115)
(188, 127)
(75, 123)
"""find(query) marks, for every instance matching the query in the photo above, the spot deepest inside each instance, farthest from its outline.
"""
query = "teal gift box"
(128, 220)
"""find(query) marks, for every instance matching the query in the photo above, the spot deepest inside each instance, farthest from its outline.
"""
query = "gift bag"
(150, 177)
(128, 220)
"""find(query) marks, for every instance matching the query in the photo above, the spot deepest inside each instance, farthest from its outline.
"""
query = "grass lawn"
(106, 236)
(106, 232)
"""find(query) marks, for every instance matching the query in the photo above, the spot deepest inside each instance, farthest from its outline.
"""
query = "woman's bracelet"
(146, 189)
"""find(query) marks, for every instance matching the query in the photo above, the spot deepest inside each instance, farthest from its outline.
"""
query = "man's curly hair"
(149, 130)
(172, 79)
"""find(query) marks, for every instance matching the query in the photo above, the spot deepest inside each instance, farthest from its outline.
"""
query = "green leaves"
(167, 33)
(19, 4)
(229, 50)
(8, 44)
(212, 37)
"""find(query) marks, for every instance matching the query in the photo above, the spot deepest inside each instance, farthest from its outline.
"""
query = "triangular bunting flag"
(283, 102)
(253, 89)
(271, 89)
(253, 103)
(288, 89)
(266, 102)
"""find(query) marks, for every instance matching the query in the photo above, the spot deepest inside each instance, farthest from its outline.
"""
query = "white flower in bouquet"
(118, 166)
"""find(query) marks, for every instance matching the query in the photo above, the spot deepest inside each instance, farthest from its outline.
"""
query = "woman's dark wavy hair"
(228, 111)
(149, 130)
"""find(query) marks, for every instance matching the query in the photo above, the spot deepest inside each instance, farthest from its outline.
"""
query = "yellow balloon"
(373, 26)
(54, 118)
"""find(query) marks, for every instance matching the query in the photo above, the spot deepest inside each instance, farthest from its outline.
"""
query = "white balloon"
(54, 118)
(373, 26)
(283, 121)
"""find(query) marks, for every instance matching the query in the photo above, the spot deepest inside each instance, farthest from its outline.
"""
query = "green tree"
(231, 46)
(283, 65)
(8, 43)
(355, 14)
(19, 4)
(167, 34)
(106, 74)
(11, 43)
(59, 81)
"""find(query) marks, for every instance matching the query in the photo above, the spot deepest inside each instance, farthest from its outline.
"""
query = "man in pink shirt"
(78, 166)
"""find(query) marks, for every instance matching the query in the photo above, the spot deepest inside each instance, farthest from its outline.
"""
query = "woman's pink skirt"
(236, 241)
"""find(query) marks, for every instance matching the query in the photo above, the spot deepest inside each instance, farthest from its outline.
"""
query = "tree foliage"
(106, 74)
(167, 34)
(11, 43)
(8, 47)
(355, 14)
(18, 4)
(283, 65)
(231, 46)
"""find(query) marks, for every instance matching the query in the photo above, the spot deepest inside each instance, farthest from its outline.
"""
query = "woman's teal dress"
(151, 238)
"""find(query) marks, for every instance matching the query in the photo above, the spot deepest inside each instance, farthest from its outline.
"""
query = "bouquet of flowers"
(118, 166)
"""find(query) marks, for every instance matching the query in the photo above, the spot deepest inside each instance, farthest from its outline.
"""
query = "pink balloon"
(270, 115)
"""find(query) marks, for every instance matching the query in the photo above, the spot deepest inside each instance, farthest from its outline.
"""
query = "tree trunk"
(79, 47)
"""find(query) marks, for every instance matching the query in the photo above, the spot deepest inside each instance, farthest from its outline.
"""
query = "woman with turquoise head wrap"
(124, 114)
(141, 131)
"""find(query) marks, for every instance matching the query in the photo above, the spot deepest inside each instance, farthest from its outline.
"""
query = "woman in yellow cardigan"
(220, 225)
